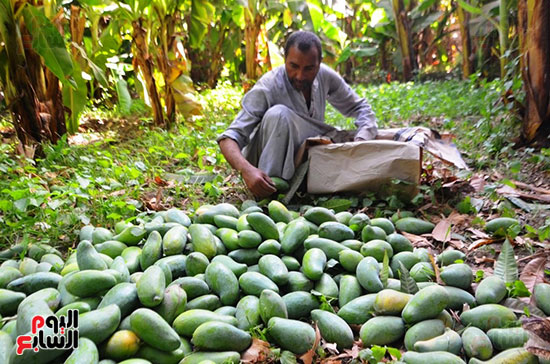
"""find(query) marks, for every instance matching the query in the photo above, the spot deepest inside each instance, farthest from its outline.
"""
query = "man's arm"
(347, 102)
(256, 180)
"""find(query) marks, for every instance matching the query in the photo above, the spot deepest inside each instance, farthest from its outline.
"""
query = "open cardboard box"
(381, 166)
(389, 165)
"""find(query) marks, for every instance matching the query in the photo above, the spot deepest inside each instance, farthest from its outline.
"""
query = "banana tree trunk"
(77, 24)
(384, 56)
(207, 64)
(405, 39)
(20, 94)
(166, 45)
(146, 65)
(216, 66)
(534, 24)
(466, 40)
(251, 32)
(503, 36)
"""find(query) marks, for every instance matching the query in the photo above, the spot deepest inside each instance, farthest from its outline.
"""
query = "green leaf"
(48, 43)
(99, 74)
(394, 352)
(201, 14)
(124, 98)
(21, 204)
(365, 51)
(316, 14)
(337, 204)
(378, 352)
(518, 289)
(408, 284)
(470, 8)
(479, 276)
(92, 2)
(75, 99)
(506, 266)
(385, 271)
(288, 358)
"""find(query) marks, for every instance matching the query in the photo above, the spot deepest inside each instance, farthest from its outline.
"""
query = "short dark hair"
(304, 41)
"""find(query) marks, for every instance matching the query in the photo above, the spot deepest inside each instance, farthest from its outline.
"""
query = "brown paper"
(364, 166)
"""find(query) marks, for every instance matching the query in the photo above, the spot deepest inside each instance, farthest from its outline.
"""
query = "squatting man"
(285, 107)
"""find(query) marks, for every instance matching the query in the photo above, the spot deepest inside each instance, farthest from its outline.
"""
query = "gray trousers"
(279, 135)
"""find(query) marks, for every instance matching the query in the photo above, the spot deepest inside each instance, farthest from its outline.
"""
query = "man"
(284, 108)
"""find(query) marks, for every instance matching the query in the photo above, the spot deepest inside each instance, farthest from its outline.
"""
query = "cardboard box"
(381, 166)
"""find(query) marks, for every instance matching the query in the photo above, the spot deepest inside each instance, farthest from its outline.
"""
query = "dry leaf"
(417, 241)
(118, 193)
(330, 347)
(331, 361)
(457, 244)
(539, 336)
(159, 181)
(509, 191)
(436, 270)
(347, 354)
(536, 255)
(530, 187)
(442, 231)
(532, 274)
(307, 358)
(456, 218)
(484, 260)
(258, 352)
(519, 241)
(478, 233)
(480, 242)
(454, 314)
(477, 182)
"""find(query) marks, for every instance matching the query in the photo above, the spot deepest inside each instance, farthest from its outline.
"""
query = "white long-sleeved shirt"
(274, 88)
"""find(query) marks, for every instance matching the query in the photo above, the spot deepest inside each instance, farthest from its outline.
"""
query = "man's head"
(303, 55)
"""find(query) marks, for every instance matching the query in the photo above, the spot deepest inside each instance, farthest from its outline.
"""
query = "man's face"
(302, 67)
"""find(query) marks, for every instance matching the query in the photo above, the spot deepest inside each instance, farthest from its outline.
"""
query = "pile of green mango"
(174, 288)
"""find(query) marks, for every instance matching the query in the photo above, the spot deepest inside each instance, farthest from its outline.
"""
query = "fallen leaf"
(456, 317)
(532, 274)
(118, 193)
(425, 207)
(531, 257)
(258, 352)
(347, 354)
(416, 240)
(330, 347)
(442, 231)
(530, 187)
(519, 307)
(456, 218)
(478, 233)
(307, 358)
(457, 244)
(484, 260)
(479, 243)
(539, 336)
(159, 181)
(519, 241)
(436, 270)
(477, 182)
(509, 191)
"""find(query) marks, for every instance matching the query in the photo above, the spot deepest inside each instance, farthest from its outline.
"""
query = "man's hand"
(258, 182)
